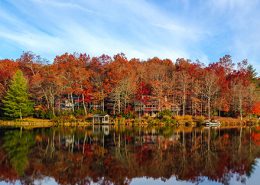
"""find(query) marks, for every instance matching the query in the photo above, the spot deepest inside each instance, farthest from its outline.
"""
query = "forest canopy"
(117, 85)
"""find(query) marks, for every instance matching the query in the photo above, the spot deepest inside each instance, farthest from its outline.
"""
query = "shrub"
(153, 121)
(167, 119)
(129, 115)
(43, 114)
(64, 119)
(187, 119)
(79, 112)
(199, 119)
(165, 113)
(97, 112)
(167, 131)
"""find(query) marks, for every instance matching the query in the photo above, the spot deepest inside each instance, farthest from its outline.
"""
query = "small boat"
(212, 123)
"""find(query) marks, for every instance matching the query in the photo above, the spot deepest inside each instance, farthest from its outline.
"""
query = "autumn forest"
(78, 84)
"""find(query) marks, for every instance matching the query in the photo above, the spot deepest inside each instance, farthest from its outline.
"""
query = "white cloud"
(139, 28)
(76, 34)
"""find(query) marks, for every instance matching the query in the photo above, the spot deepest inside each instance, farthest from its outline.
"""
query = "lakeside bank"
(145, 121)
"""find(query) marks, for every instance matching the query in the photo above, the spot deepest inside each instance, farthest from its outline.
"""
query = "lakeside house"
(148, 105)
(100, 119)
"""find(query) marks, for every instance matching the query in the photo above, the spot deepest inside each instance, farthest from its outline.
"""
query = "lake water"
(130, 155)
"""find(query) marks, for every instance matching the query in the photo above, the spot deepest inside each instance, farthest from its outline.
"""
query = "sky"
(200, 29)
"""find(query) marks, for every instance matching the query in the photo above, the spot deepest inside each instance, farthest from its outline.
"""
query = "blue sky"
(194, 29)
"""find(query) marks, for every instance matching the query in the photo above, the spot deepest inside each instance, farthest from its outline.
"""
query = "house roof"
(100, 115)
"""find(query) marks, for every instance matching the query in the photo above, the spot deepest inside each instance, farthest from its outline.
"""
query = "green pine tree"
(16, 102)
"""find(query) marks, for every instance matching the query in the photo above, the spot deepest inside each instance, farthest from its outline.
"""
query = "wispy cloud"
(203, 30)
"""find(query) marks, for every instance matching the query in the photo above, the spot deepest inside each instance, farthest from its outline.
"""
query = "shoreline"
(143, 122)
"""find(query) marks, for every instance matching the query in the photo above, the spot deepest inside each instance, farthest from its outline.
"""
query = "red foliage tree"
(256, 109)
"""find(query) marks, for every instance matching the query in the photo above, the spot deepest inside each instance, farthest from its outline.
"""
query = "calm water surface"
(126, 155)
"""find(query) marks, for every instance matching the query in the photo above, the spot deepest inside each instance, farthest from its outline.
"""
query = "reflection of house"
(68, 140)
(101, 129)
(105, 129)
(100, 119)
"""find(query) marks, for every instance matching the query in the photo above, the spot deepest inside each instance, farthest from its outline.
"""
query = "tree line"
(120, 86)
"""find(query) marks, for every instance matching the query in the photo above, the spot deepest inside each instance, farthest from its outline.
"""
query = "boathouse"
(100, 119)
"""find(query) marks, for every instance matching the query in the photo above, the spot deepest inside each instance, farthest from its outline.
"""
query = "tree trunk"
(240, 106)
(209, 135)
(20, 114)
(125, 103)
(53, 111)
(119, 105)
(184, 102)
(46, 98)
(83, 102)
(103, 101)
(52, 104)
(209, 99)
(72, 102)
(114, 109)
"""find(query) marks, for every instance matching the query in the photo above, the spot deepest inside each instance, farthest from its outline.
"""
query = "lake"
(130, 155)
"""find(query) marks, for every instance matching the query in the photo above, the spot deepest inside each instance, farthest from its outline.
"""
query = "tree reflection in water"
(85, 155)
(17, 146)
